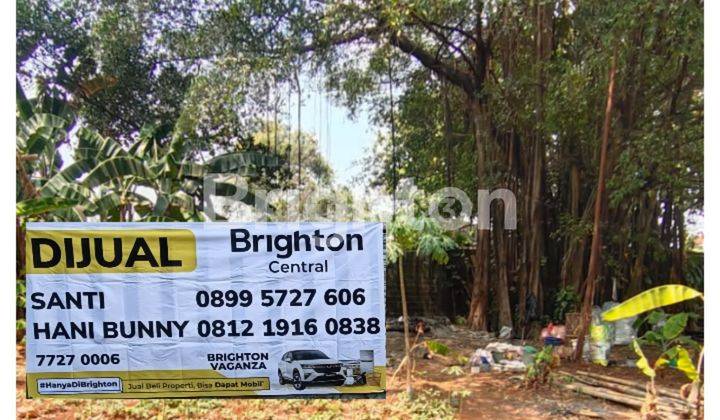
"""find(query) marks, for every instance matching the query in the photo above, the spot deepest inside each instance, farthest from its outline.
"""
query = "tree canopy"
(471, 94)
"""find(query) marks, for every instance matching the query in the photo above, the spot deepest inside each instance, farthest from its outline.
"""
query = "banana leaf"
(674, 325)
(183, 200)
(649, 300)
(39, 130)
(104, 203)
(191, 170)
(642, 362)
(42, 205)
(66, 176)
(678, 358)
(117, 167)
(161, 203)
(94, 147)
(74, 192)
(24, 106)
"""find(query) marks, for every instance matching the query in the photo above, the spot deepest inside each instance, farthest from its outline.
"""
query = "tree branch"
(443, 39)
(453, 75)
(457, 77)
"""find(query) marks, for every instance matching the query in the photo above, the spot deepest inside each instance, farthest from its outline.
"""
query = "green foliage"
(428, 405)
(437, 347)
(420, 234)
(539, 371)
(695, 270)
(665, 331)
(34, 207)
(566, 300)
(105, 179)
(678, 358)
(167, 85)
(102, 55)
(20, 289)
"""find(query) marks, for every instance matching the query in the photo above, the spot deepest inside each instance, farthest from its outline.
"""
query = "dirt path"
(500, 395)
(490, 395)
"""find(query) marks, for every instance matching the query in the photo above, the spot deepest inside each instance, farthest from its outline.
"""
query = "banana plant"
(150, 181)
(675, 356)
(43, 124)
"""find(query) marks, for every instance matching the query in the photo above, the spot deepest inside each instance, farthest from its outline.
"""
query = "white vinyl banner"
(156, 310)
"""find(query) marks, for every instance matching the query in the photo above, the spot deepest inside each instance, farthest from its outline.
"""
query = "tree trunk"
(569, 256)
(576, 260)
(596, 245)
(646, 216)
(535, 251)
(678, 257)
(478, 316)
(502, 292)
(536, 174)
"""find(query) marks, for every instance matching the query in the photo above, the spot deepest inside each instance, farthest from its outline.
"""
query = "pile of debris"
(501, 356)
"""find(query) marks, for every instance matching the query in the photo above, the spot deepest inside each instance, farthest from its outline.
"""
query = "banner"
(158, 310)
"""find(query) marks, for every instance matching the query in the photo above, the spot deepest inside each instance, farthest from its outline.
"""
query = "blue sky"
(342, 141)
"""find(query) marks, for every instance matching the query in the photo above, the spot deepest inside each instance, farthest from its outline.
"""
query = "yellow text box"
(110, 251)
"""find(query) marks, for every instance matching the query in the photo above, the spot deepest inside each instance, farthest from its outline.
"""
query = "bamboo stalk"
(627, 389)
(617, 397)
(609, 385)
(661, 390)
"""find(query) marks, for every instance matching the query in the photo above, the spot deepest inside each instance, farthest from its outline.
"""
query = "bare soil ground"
(440, 394)
(499, 395)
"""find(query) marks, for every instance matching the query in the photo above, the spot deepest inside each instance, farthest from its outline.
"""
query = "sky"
(342, 141)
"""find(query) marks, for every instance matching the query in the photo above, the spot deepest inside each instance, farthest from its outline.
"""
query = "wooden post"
(406, 329)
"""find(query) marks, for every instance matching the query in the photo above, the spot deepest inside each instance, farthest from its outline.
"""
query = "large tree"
(487, 94)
